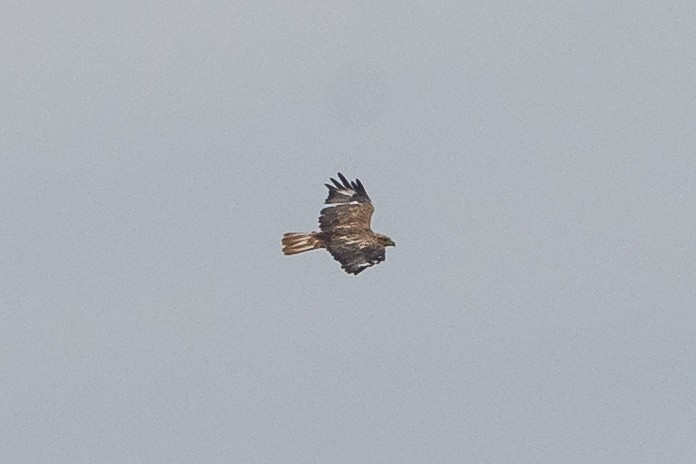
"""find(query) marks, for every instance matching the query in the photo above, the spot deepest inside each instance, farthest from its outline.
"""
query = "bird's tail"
(296, 242)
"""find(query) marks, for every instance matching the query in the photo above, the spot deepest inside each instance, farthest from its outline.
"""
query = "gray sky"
(534, 162)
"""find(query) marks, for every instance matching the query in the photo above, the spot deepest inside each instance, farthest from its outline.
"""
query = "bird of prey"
(344, 229)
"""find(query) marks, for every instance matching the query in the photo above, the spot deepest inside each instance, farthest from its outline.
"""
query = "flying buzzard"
(345, 229)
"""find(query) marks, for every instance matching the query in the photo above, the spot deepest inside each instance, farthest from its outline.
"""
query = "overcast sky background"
(534, 161)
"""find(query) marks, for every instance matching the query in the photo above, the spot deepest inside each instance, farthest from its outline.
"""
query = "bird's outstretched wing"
(356, 256)
(352, 210)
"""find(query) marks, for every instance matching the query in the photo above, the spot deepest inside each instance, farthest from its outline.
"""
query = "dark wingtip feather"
(336, 183)
(360, 188)
(360, 185)
(346, 184)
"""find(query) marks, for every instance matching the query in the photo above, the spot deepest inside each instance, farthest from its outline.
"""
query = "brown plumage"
(344, 229)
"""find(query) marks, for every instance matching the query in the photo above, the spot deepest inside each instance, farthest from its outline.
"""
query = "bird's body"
(344, 229)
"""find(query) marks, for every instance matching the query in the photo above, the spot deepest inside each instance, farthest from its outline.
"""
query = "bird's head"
(384, 240)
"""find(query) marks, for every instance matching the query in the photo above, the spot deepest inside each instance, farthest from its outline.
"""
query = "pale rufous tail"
(296, 242)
